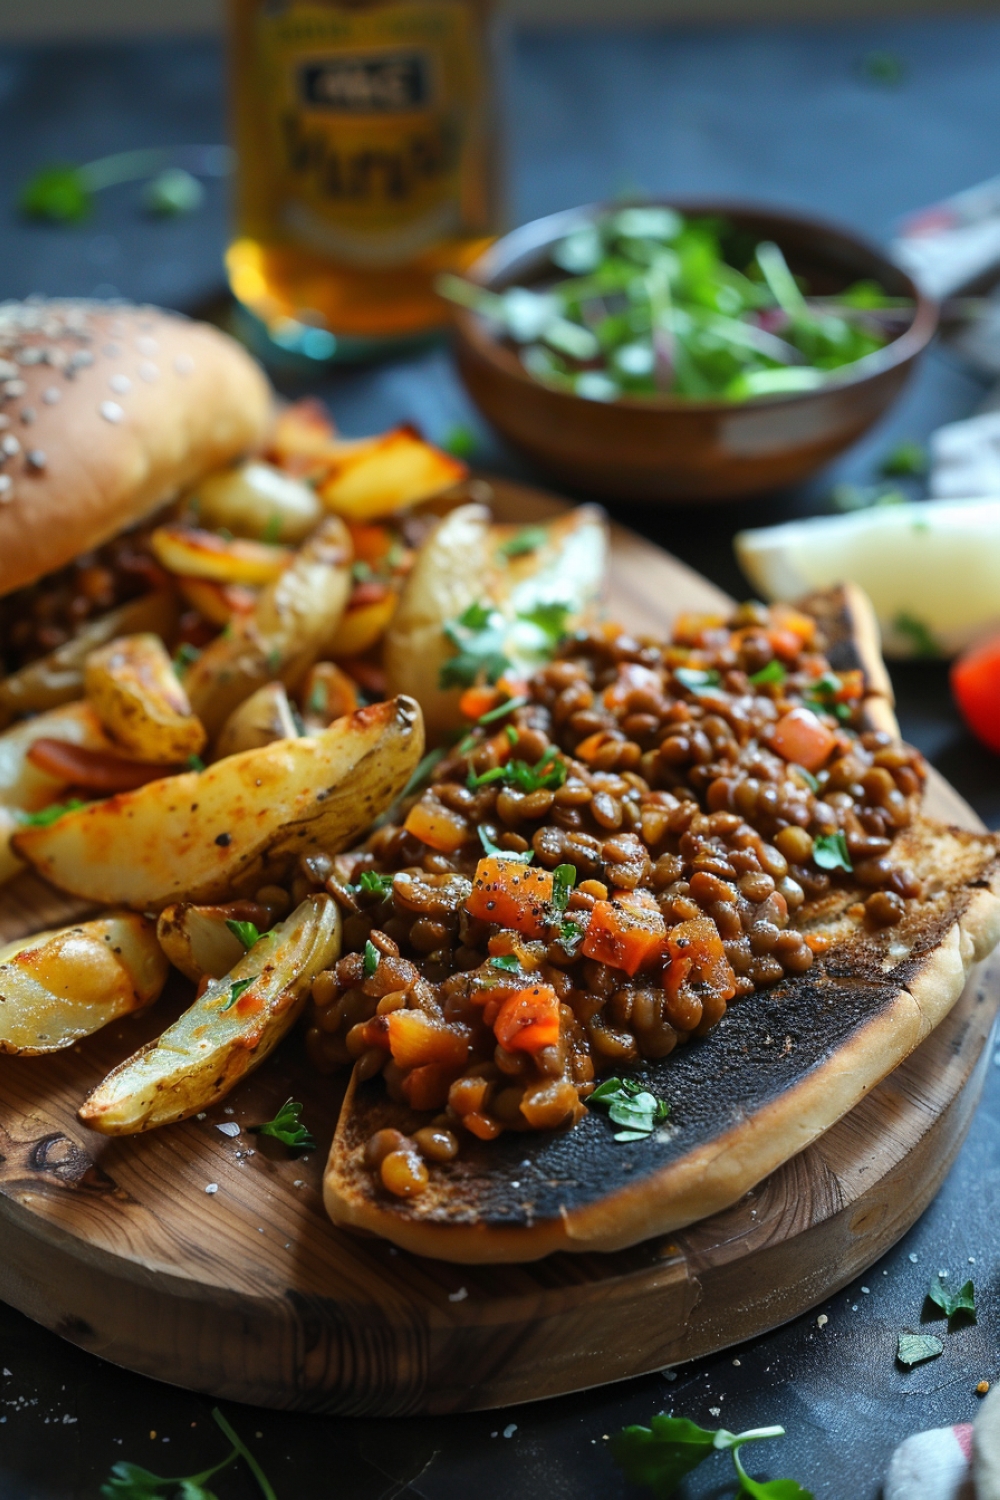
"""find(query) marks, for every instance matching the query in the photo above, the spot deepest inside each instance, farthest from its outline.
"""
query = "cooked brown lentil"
(692, 804)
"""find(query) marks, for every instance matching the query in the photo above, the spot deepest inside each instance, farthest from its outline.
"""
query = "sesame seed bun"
(106, 410)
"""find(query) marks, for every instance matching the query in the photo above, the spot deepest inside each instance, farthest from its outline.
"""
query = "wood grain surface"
(249, 1293)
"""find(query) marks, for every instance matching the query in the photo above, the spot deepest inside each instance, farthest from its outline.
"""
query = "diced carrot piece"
(786, 617)
(528, 1020)
(94, 770)
(852, 686)
(695, 947)
(817, 942)
(512, 894)
(482, 1126)
(587, 750)
(784, 643)
(476, 701)
(371, 543)
(468, 1095)
(803, 739)
(427, 1087)
(626, 938)
(437, 826)
(414, 1039)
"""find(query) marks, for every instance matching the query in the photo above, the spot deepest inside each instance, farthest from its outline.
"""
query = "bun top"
(106, 411)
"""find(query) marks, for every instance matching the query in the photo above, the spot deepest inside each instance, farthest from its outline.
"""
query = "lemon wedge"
(931, 568)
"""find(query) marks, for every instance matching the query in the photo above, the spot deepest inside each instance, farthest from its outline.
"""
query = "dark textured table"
(788, 114)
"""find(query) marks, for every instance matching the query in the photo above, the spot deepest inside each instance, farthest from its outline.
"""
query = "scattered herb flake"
(131, 1482)
(195, 763)
(246, 932)
(915, 1348)
(528, 539)
(478, 637)
(288, 1128)
(807, 777)
(502, 710)
(563, 881)
(523, 857)
(185, 656)
(830, 852)
(906, 461)
(659, 1456)
(237, 988)
(461, 442)
(630, 1105)
(372, 956)
(374, 884)
(550, 618)
(272, 531)
(571, 935)
(696, 680)
(952, 1303)
(548, 773)
(774, 672)
(50, 814)
(506, 961)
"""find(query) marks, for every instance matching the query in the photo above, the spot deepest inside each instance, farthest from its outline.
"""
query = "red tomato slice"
(975, 684)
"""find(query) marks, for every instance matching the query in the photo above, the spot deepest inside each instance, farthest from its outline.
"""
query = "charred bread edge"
(714, 1176)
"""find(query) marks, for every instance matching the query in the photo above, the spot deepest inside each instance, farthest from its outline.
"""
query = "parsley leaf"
(374, 884)
(914, 1348)
(548, 773)
(528, 539)
(461, 442)
(830, 852)
(564, 879)
(272, 531)
(506, 961)
(661, 1455)
(50, 814)
(288, 1128)
(237, 988)
(549, 617)
(697, 681)
(953, 1303)
(773, 672)
(478, 637)
(807, 777)
(628, 1104)
(59, 194)
(502, 710)
(131, 1482)
(523, 857)
(372, 956)
(185, 656)
(822, 697)
(246, 932)
(195, 763)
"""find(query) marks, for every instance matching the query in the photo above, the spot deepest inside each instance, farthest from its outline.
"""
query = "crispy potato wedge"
(198, 941)
(59, 986)
(466, 560)
(363, 625)
(58, 677)
(228, 1032)
(303, 437)
(256, 500)
(264, 717)
(213, 835)
(193, 553)
(28, 787)
(217, 602)
(388, 473)
(135, 692)
(284, 633)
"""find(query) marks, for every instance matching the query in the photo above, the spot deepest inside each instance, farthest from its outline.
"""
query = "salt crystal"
(510, 1429)
(458, 1296)
(201, 1116)
(212, 1187)
(822, 1320)
(229, 1127)
(914, 1258)
(715, 1411)
(866, 1290)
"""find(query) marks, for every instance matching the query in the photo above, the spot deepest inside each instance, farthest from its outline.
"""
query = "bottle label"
(370, 116)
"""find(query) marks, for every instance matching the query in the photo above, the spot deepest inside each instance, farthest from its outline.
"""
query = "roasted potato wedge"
(198, 941)
(57, 987)
(303, 438)
(58, 677)
(133, 688)
(213, 835)
(363, 625)
(217, 602)
(266, 716)
(467, 561)
(193, 553)
(283, 635)
(24, 785)
(388, 473)
(227, 1032)
(328, 694)
(255, 499)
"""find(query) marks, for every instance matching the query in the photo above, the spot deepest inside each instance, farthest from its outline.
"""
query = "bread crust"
(113, 409)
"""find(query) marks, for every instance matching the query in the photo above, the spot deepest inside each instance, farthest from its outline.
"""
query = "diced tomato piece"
(415, 1039)
(587, 750)
(438, 826)
(784, 643)
(94, 770)
(696, 949)
(512, 894)
(975, 683)
(803, 739)
(626, 937)
(476, 701)
(528, 1020)
(427, 1087)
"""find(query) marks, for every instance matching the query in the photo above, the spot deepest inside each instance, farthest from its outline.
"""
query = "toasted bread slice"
(781, 1068)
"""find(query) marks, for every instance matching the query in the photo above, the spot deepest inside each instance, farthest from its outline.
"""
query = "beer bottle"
(367, 161)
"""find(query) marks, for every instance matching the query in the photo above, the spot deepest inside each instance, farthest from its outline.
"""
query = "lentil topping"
(593, 875)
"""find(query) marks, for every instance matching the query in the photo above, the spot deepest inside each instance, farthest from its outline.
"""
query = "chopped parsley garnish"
(317, 698)
(546, 774)
(807, 777)
(502, 710)
(236, 990)
(822, 697)
(774, 672)
(361, 572)
(374, 884)
(528, 539)
(185, 656)
(131, 1482)
(195, 763)
(550, 618)
(523, 856)
(920, 638)
(50, 814)
(906, 461)
(563, 881)
(511, 734)
(571, 935)
(460, 441)
(658, 1457)
(914, 1348)
(696, 680)
(506, 961)
(287, 1127)
(372, 956)
(246, 932)
(274, 658)
(272, 531)
(478, 638)
(830, 852)
(630, 1105)
(953, 1303)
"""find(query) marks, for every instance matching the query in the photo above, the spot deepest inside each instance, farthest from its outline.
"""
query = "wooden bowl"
(672, 448)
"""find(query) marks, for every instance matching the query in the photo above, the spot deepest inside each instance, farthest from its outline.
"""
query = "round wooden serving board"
(248, 1292)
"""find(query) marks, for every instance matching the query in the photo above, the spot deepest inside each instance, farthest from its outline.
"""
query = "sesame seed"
(111, 411)
(112, 350)
(32, 355)
(10, 445)
(211, 1187)
(28, 415)
(183, 364)
(149, 372)
(6, 489)
(14, 387)
(51, 395)
(147, 345)
(36, 459)
(458, 1296)
(8, 371)
(120, 384)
